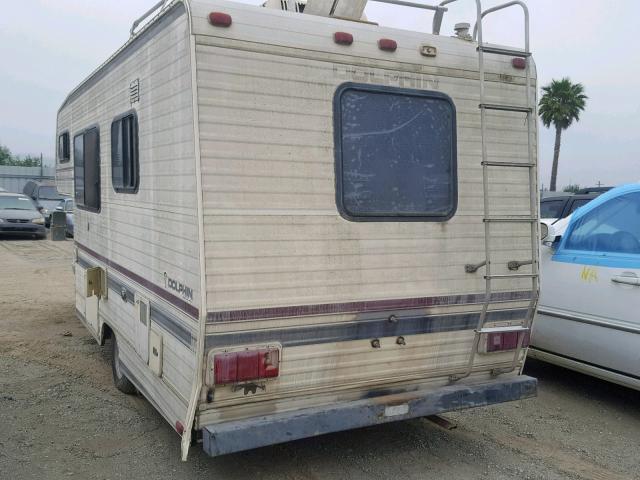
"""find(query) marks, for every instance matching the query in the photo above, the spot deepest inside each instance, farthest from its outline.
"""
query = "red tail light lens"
(234, 367)
(502, 341)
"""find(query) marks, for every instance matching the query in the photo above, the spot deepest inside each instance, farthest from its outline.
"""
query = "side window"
(125, 168)
(64, 153)
(613, 227)
(86, 165)
(395, 154)
(551, 208)
(577, 204)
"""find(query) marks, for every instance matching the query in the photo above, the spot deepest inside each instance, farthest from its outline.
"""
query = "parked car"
(46, 197)
(590, 290)
(66, 206)
(18, 215)
(560, 206)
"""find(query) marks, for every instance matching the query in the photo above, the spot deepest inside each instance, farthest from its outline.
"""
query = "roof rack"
(158, 6)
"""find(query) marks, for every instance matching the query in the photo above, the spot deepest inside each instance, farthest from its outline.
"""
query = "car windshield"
(49, 193)
(15, 203)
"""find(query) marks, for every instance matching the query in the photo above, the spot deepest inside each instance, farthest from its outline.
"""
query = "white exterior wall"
(273, 234)
(156, 229)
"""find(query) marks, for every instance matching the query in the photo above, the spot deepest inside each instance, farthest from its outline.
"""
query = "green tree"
(560, 105)
(5, 155)
(7, 158)
(573, 188)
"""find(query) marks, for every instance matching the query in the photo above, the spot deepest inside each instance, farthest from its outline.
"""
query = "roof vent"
(462, 31)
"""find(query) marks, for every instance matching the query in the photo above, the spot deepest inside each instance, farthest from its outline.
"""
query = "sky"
(47, 47)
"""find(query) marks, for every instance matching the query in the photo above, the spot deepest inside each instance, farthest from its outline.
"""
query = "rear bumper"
(246, 434)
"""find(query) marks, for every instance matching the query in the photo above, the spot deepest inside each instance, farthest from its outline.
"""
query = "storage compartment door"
(87, 306)
(142, 328)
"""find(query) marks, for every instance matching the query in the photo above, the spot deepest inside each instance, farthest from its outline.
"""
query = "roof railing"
(158, 6)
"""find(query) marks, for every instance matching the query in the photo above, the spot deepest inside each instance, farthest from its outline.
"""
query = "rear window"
(395, 154)
(551, 208)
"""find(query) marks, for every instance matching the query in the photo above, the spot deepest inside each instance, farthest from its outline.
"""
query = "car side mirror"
(59, 208)
(549, 236)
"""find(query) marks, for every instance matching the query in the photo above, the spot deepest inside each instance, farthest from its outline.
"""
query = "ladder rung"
(508, 164)
(511, 219)
(515, 328)
(503, 51)
(506, 108)
(513, 275)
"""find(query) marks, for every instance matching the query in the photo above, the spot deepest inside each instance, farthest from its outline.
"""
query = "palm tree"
(560, 105)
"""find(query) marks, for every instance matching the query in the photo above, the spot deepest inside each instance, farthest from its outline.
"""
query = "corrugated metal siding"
(273, 234)
(155, 230)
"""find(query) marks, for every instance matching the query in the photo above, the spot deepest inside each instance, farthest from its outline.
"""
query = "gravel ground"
(61, 416)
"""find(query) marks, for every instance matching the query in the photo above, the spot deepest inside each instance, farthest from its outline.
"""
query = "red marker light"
(179, 427)
(387, 45)
(343, 38)
(220, 19)
(519, 63)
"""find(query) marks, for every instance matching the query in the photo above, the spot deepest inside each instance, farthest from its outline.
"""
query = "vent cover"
(134, 91)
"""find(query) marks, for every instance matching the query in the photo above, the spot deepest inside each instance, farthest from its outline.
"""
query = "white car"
(589, 311)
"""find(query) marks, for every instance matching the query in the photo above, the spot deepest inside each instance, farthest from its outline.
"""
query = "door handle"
(626, 280)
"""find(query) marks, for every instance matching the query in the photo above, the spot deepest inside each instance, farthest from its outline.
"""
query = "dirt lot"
(61, 417)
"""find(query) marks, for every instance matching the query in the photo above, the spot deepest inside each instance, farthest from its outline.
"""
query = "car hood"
(19, 214)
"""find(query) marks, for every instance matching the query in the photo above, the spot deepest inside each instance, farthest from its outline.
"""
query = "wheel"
(121, 382)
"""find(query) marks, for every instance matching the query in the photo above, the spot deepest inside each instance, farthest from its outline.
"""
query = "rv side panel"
(147, 238)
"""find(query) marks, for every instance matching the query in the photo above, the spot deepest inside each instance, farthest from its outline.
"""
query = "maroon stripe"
(172, 299)
(362, 307)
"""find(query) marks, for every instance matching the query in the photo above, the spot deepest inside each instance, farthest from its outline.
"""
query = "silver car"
(19, 216)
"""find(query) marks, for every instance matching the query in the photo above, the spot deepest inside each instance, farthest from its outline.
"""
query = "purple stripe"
(172, 299)
(362, 307)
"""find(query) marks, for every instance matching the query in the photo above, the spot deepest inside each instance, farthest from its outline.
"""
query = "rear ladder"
(529, 110)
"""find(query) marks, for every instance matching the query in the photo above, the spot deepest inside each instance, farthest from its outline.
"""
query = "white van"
(294, 223)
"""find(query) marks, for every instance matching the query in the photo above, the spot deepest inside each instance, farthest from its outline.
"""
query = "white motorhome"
(292, 221)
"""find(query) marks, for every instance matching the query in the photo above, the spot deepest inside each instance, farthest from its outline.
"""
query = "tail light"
(234, 367)
(502, 341)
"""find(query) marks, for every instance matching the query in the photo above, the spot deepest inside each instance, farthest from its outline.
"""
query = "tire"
(121, 382)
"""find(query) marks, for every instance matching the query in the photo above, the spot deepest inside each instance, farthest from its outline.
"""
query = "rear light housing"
(505, 341)
(245, 366)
